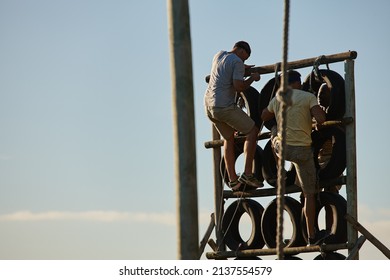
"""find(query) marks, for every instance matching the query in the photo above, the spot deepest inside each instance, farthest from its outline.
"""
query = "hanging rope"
(284, 99)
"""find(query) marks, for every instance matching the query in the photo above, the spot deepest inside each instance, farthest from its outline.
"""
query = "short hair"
(243, 45)
(293, 76)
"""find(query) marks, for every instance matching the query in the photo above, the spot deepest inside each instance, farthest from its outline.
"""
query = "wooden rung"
(343, 121)
(272, 251)
(271, 191)
(237, 139)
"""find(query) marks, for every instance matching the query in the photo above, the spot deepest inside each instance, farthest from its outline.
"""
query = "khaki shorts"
(302, 158)
(230, 119)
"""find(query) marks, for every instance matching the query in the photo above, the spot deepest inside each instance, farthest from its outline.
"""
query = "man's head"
(294, 79)
(242, 50)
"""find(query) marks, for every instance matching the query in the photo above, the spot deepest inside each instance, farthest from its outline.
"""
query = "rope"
(284, 99)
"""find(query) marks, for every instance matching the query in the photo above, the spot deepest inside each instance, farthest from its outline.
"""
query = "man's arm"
(241, 85)
(266, 115)
(318, 114)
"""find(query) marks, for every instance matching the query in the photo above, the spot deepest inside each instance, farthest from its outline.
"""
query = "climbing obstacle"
(340, 115)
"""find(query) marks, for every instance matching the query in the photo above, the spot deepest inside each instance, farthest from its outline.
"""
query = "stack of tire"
(264, 222)
(330, 165)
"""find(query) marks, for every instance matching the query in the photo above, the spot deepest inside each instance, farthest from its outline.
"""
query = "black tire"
(269, 223)
(290, 257)
(330, 256)
(257, 163)
(335, 206)
(247, 258)
(267, 92)
(270, 168)
(337, 162)
(251, 99)
(231, 220)
(336, 109)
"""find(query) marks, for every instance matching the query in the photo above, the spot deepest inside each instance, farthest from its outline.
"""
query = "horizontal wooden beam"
(272, 191)
(323, 59)
(272, 251)
(267, 135)
(237, 139)
(308, 62)
(343, 121)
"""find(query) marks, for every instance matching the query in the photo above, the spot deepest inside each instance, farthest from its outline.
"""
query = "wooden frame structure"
(350, 180)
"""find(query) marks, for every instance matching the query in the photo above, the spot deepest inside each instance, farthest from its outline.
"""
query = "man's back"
(299, 119)
(226, 67)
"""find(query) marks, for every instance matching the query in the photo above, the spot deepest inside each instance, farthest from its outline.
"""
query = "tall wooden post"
(350, 111)
(218, 192)
(184, 128)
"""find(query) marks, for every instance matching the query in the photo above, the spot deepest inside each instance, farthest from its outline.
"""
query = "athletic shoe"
(236, 185)
(250, 180)
(319, 238)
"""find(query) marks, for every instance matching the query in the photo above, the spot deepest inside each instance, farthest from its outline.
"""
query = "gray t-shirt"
(220, 91)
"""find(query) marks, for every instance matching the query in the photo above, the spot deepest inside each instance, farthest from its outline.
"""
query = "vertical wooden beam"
(350, 111)
(184, 128)
(218, 191)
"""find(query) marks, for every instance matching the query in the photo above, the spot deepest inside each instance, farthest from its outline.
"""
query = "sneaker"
(235, 185)
(250, 180)
(319, 238)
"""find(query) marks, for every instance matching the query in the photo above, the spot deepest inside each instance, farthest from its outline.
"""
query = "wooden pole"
(350, 129)
(206, 236)
(218, 190)
(368, 235)
(356, 248)
(184, 128)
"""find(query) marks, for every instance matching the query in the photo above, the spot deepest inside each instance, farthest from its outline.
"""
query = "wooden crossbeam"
(368, 235)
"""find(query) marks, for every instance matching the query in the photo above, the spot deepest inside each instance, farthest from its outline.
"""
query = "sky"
(86, 146)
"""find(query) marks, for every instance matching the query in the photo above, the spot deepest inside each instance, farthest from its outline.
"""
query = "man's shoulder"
(221, 52)
(227, 56)
(232, 56)
(303, 93)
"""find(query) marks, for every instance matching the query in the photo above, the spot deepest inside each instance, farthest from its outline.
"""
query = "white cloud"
(101, 216)
(167, 218)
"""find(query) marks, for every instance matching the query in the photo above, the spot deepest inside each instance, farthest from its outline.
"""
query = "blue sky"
(86, 152)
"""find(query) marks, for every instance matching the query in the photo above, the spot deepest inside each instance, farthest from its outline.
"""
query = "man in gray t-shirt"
(227, 78)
